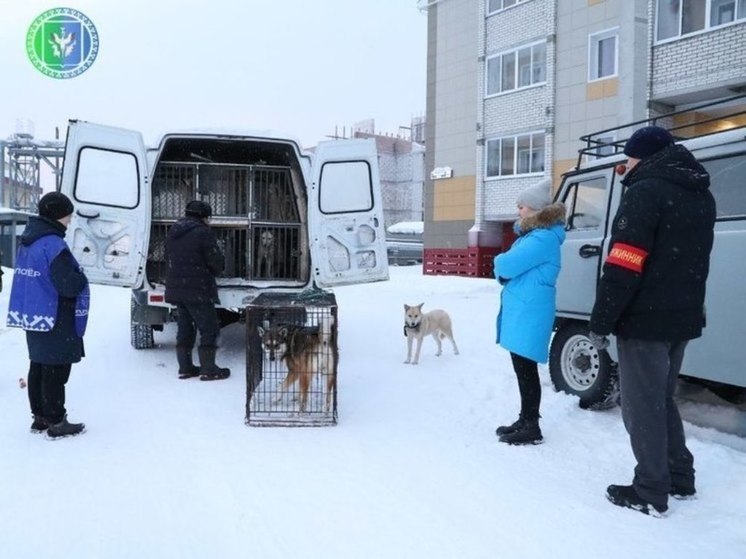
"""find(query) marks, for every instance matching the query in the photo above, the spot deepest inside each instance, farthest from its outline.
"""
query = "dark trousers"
(46, 390)
(648, 372)
(193, 317)
(527, 372)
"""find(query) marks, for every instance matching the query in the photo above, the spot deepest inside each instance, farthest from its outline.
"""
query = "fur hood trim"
(554, 214)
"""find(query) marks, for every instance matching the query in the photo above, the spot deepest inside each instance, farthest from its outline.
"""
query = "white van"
(286, 220)
(591, 194)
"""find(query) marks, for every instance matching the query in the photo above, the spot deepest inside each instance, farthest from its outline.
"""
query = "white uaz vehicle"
(286, 220)
(592, 193)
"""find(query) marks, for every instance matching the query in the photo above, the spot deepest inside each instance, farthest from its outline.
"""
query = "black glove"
(599, 341)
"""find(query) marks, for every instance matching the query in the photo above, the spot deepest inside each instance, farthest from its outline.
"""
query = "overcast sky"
(296, 66)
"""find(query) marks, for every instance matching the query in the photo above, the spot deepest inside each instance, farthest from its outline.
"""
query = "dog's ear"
(283, 331)
(261, 331)
(406, 308)
(420, 305)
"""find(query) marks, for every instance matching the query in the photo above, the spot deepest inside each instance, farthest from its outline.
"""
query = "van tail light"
(156, 298)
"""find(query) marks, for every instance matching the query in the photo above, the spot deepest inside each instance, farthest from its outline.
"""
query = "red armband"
(627, 256)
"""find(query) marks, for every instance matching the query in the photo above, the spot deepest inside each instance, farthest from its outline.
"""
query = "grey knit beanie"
(538, 196)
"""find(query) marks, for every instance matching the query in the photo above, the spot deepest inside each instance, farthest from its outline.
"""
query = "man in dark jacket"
(651, 296)
(194, 260)
(49, 299)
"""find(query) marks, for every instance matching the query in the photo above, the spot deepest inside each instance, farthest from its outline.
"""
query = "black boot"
(187, 369)
(65, 429)
(527, 433)
(210, 371)
(512, 428)
(40, 424)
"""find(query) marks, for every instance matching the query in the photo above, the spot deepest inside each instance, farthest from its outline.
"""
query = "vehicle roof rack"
(597, 144)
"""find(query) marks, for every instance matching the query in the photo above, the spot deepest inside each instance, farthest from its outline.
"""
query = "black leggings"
(46, 390)
(527, 372)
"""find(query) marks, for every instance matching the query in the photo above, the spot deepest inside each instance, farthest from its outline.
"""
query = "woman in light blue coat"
(528, 273)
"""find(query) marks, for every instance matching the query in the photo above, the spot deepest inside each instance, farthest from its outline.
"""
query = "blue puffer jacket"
(528, 272)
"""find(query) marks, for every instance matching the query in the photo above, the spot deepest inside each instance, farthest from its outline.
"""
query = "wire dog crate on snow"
(291, 360)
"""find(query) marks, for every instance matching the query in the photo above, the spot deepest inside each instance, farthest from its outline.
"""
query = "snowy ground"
(167, 468)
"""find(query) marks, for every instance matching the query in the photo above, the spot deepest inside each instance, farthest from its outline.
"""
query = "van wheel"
(141, 335)
(577, 367)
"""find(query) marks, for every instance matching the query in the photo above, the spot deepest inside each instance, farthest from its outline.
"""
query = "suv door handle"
(589, 251)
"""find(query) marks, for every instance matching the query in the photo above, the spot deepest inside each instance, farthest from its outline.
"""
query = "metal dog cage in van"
(280, 329)
(255, 217)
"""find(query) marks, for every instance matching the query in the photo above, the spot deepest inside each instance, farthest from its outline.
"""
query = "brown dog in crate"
(306, 351)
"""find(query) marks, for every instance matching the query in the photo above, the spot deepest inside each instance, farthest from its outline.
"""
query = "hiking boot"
(512, 428)
(65, 429)
(528, 432)
(40, 424)
(187, 369)
(626, 496)
(682, 492)
(210, 371)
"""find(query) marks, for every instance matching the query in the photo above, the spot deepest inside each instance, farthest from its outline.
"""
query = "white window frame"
(514, 138)
(516, 73)
(502, 5)
(594, 39)
(738, 16)
(606, 139)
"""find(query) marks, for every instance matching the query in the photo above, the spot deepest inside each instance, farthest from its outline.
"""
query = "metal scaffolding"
(21, 158)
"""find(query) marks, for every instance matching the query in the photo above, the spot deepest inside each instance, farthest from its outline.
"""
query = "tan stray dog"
(266, 254)
(306, 352)
(417, 325)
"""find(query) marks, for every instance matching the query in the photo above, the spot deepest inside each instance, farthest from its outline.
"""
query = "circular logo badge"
(62, 43)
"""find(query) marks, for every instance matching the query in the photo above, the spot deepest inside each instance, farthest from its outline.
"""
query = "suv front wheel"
(577, 367)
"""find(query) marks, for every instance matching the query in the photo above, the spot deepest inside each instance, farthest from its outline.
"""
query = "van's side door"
(105, 175)
(588, 198)
(348, 240)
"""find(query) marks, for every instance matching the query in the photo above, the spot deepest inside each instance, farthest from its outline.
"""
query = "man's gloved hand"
(599, 341)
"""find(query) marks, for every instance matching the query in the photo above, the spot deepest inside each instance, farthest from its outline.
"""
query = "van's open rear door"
(105, 175)
(348, 242)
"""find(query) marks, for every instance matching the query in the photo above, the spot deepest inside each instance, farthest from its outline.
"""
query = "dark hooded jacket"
(61, 345)
(194, 260)
(653, 284)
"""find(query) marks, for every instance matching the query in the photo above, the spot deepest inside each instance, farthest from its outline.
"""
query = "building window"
(516, 69)
(497, 5)
(604, 146)
(602, 54)
(515, 155)
(681, 17)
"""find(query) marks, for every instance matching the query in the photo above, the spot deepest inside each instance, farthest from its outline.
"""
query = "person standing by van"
(651, 296)
(194, 260)
(528, 273)
(49, 299)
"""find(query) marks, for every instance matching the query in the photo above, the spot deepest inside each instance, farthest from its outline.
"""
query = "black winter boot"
(527, 433)
(187, 369)
(65, 429)
(210, 371)
(626, 496)
(512, 428)
(40, 424)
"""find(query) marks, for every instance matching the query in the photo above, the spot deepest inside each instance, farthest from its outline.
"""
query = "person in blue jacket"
(528, 273)
(49, 299)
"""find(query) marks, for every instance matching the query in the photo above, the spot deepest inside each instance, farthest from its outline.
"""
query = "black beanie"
(647, 141)
(55, 205)
(198, 208)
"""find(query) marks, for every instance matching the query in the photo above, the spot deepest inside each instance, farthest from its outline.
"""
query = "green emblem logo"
(62, 43)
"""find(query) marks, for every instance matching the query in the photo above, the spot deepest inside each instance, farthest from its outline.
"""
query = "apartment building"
(543, 73)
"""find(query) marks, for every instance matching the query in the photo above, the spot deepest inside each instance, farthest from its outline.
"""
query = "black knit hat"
(55, 205)
(198, 208)
(647, 141)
